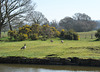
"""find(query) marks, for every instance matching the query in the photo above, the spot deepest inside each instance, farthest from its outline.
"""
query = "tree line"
(80, 23)
(16, 13)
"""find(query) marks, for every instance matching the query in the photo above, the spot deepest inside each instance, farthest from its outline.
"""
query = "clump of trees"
(97, 35)
(33, 32)
(80, 23)
(69, 35)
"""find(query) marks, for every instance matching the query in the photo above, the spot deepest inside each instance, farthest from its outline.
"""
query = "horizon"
(59, 9)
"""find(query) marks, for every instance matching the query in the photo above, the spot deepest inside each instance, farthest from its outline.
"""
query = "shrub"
(13, 34)
(23, 37)
(25, 30)
(34, 32)
(57, 33)
(97, 35)
(70, 35)
(34, 36)
(62, 33)
(44, 37)
(35, 28)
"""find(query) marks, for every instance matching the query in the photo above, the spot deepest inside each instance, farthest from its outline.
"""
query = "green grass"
(84, 48)
(4, 34)
(87, 35)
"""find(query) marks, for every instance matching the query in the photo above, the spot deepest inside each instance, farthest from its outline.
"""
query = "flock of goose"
(24, 47)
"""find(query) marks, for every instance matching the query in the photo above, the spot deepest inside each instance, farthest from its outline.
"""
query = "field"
(83, 48)
(87, 35)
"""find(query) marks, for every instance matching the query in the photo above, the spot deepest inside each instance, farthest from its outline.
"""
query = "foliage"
(34, 36)
(12, 10)
(25, 30)
(62, 33)
(80, 23)
(12, 34)
(17, 36)
(44, 38)
(49, 32)
(34, 32)
(35, 28)
(70, 35)
(23, 37)
(97, 35)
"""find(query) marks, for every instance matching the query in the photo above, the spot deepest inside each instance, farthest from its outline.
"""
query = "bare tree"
(36, 17)
(9, 9)
(80, 16)
(54, 23)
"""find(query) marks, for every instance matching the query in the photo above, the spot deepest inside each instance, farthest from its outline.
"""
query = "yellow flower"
(20, 28)
(62, 30)
(78, 37)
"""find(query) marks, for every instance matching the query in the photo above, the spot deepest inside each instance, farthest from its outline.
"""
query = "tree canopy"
(79, 22)
(12, 9)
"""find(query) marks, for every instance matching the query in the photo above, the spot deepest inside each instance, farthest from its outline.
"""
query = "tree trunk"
(0, 18)
(0, 31)
(8, 14)
(10, 27)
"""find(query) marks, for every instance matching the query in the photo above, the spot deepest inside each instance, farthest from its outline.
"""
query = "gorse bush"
(43, 32)
(69, 35)
(13, 34)
(25, 30)
(23, 37)
(34, 36)
(34, 32)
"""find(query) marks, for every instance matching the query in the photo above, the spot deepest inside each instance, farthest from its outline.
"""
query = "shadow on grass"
(94, 40)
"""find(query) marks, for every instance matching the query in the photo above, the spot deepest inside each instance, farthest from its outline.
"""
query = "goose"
(24, 46)
(51, 40)
(62, 41)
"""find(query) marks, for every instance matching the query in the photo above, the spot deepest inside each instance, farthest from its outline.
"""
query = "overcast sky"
(58, 9)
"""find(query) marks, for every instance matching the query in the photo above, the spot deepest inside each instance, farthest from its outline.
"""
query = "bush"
(70, 35)
(34, 36)
(62, 33)
(97, 35)
(13, 34)
(18, 37)
(25, 30)
(23, 37)
(57, 33)
(44, 38)
(34, 32)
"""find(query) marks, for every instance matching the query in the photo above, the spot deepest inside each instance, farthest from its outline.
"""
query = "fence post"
(85, 37)
(91, 36)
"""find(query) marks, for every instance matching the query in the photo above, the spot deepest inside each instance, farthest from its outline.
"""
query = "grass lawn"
(84, 48)
(87, 35)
